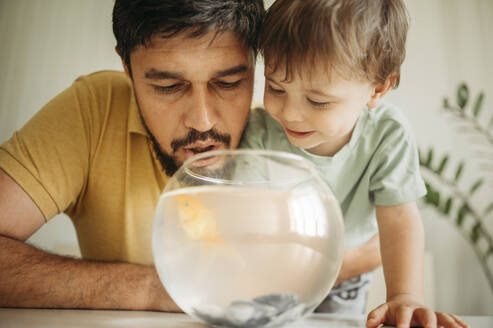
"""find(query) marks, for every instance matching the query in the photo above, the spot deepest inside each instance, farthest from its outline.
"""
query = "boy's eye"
(168, 88)
(228, 85)
(318, 104)
(274, 90)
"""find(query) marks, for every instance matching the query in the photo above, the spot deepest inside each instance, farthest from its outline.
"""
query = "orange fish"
(197, 220)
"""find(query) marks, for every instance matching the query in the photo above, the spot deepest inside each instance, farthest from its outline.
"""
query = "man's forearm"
(32, 278)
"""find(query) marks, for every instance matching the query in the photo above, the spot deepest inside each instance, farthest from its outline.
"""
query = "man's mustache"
(195, 135)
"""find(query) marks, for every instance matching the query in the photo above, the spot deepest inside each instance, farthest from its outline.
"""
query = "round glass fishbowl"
(247, 238)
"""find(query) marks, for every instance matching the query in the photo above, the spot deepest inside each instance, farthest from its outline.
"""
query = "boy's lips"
(298, 134)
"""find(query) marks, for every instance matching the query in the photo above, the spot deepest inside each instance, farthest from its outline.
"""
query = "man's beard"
(170, 163)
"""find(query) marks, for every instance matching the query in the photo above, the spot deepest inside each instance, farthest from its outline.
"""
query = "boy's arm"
(402, 248)
(360, 259)
(33, 278)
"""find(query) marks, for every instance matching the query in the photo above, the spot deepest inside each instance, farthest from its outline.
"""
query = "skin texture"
(319, 112)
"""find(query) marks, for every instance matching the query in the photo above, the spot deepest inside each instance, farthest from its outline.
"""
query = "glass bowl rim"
(307, 164)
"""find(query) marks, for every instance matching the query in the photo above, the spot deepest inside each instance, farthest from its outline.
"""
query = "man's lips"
(298, 134)
(199, 147)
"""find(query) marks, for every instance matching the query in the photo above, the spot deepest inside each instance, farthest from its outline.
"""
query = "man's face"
(194, 94)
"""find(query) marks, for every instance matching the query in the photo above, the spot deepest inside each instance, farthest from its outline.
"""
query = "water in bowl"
(244, 257)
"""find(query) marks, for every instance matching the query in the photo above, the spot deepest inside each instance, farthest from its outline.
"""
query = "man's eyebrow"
(232, 71)
(154, 74)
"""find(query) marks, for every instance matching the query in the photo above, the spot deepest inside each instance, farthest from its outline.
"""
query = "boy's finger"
(403, 316)
(459, 321)
(377, 316)
(446, 321)
(425, 317)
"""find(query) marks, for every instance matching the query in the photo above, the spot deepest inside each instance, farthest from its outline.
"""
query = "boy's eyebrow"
(313, 91)
(320, 93)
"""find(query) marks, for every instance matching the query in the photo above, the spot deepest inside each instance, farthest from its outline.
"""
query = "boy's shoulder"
(388, 113)
(388, 120)
(261, 131)
(260, 119)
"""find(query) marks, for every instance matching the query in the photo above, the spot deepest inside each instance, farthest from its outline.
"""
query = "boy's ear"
(127, 71)
(379, 91)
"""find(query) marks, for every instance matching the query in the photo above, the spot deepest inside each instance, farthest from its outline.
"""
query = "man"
(102, 150)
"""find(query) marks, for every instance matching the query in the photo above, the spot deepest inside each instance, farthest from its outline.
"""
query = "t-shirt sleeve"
(396, 177)
(255, 134)
(49, 157)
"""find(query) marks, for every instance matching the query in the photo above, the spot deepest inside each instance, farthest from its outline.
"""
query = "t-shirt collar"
(135, 124)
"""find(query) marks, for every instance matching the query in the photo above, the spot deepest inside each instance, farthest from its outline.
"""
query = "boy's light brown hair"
(357, 38)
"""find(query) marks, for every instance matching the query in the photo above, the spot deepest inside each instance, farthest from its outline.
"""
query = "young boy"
(328, 64)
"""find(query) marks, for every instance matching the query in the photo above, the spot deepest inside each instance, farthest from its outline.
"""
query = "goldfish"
(197, 220)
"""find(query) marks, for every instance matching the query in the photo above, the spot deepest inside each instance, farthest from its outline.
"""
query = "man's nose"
(200, 114)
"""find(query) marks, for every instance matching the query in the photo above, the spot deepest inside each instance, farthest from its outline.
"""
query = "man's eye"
(318, 104)
(228, 85)
(169, 88)
(274, 91)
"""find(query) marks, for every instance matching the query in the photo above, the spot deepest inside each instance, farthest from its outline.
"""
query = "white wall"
(450, 41)
(46, 44)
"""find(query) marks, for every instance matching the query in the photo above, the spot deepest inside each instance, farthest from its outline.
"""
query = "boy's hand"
(403, 311)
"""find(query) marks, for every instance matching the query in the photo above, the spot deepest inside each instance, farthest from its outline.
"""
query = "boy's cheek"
(270, 105)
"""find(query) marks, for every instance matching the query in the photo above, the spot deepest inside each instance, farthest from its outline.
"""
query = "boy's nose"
(200, 114)
(291, 112)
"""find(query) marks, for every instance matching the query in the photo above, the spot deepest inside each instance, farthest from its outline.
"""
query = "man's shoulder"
(104, 93)
(107, 78)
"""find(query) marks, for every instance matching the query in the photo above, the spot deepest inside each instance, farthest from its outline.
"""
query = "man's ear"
(125, 67)
(379, 91)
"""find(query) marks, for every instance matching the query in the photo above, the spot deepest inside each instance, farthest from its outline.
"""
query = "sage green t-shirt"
(378, 166)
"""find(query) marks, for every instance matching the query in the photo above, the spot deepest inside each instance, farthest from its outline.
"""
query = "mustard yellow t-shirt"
(86, 153)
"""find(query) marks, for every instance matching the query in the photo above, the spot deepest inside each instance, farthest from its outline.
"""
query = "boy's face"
(319, 111)
(194, 94)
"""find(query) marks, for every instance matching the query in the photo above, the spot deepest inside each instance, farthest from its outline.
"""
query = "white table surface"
(23, 318)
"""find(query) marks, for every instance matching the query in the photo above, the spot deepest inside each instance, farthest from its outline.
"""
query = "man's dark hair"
(135, 22)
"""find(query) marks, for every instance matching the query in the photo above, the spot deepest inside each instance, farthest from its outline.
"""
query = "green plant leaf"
(433, 198)
(429, 191)
(429, 159)
(443, 164)
(436, 200)
(488, 209)
(461, 214)
(476, 232)
(476, 186)
(462, 95)
(478, 105)
(447, 206)
(459, 170)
